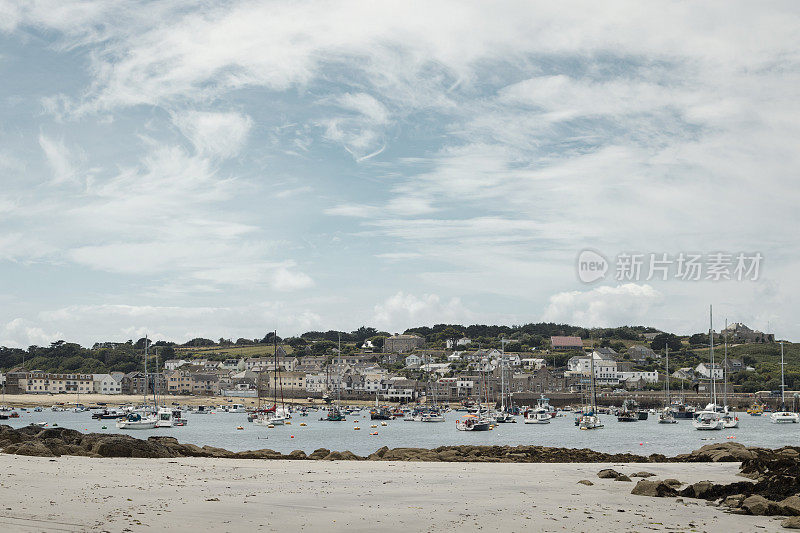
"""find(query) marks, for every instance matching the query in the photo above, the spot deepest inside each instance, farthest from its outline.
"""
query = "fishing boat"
(380, 413)
(783, 416)
(666, 416)
(539, 414)
(629, 411)
(710, 418)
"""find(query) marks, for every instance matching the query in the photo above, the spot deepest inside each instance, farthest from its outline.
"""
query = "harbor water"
(219, 428)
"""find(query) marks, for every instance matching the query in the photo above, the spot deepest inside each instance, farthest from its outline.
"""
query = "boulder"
(297, 455)
(733, 501)
(701, 489)
(319, 453)
(643, 474)
(126, 446)
(586, 482)
(657, 489)
(721, 452)
(791, 505)
(672, 482)
(265, 453)
(608, 473)
(760, 506)
(793, 522)
(32, 447)
(622, 477)
(378, 454)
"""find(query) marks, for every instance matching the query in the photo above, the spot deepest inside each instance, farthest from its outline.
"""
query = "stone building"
(403, 343)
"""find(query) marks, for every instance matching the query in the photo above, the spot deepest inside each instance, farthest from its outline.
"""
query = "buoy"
(291, 436)
(302, 424)
(239, 427)
(374, 433)
(641, 444)
(374, 425)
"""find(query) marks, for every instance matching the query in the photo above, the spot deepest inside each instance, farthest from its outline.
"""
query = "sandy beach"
(116, 495)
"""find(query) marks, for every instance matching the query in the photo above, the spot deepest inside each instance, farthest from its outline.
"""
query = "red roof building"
(566, 343)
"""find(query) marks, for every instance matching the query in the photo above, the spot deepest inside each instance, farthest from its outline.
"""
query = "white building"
(705, 370)
(172, 364)
(647, 377)
(532, 363)
(106, 384)
(605, 370)
(413, 360)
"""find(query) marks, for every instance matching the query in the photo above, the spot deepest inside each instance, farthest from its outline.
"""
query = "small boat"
(136, 421)
(380, 413)
(629, 411)
(539, 414)
(590, 421)
(755, 410)
(434, 415)
(708, 420)
(783, 416)
(472, 423)
(667, 417)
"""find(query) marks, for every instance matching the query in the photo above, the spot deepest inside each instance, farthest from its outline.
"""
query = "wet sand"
(193, 494)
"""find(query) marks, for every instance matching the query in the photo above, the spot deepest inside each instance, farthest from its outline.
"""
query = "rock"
(265, 453)
(33, 448)
(643, 474)
(760, 506)
(722, 452)
(791, 505)
(319, 453)
(672, 482)
(733, 501)
(586, 482)
(127, 446)
(701, 489)
(622, 477)
(608, 473)
(792, 522)
(341, 456)
(657, 489)
(378, 454)
(297, 454)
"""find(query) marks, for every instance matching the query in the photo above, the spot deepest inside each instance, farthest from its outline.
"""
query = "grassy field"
(251, 350)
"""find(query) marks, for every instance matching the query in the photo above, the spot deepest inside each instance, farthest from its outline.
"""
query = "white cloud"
(22, 333)
(604, 306)
(59, 158)
(402, 311)
(215, 134)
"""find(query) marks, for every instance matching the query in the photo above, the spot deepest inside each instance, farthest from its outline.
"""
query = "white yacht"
(165, 418)
(473, 423)
(707, 420)
(539, 414)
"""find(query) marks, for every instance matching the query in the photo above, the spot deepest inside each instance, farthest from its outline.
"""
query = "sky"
(226, 168)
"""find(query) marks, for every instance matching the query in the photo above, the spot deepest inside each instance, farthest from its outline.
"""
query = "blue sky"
(228, 168)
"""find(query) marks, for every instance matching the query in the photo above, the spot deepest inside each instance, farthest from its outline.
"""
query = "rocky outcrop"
(608, 473)
(656, 489)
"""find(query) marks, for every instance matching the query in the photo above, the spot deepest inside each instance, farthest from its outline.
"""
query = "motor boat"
(783, 417)
(473, 423)
(537, 415)
(590, 422)
(432, 416)
(666, 416)
(136, 421)
(708, 420)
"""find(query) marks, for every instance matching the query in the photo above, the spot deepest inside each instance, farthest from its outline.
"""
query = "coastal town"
(408, 368)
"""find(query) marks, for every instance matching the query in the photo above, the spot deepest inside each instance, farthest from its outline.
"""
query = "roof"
(566, 341)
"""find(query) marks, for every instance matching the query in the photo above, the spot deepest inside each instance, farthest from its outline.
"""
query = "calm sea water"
(643, 437)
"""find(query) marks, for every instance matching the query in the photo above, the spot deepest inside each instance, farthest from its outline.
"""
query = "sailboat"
(666, 416)
(503, 417)
(783, 416)
(709, 418)
(729, 420)
(141, 419)
(274, 416)
(590, 419)
(477, 421)
(433, 413)
(335, 414)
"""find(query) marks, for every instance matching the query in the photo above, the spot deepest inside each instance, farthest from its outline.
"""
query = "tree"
(663, 340)
(698, 339)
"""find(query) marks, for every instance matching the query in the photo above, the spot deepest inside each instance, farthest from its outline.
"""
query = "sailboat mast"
(667, 376)
(725, 368)
(339, 371)
(783, 385)
(144, 391)
(711, 349)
